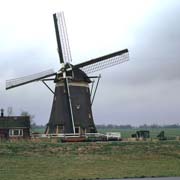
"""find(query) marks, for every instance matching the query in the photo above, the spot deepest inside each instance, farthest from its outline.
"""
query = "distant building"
(14, 126)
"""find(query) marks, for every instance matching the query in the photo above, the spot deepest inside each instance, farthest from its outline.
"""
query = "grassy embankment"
(45, 160)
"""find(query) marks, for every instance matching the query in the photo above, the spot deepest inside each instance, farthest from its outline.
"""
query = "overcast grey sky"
(142, 90)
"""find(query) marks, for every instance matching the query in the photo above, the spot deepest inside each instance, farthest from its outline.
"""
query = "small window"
(20, 132)
(60, 129)
(77, 130)
(10, 132)
(89, 115)
(16, 132)
(78, 106)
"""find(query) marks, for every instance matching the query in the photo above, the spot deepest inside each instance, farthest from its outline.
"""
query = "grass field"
(53, 161)
(126, 133)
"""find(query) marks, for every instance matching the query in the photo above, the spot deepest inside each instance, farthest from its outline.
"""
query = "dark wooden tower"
(71, 110)
(81, 119)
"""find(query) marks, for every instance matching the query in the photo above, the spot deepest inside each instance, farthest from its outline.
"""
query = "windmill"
(71, 108)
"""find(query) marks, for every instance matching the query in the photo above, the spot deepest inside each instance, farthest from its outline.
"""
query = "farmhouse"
(14, 126)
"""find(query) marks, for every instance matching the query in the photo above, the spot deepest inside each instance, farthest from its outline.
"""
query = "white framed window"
(16, 132)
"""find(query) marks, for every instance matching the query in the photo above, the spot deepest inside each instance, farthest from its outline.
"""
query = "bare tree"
(10, 111)
(26, 113)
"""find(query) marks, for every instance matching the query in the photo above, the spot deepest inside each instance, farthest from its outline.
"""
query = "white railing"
(107, 136)
(68, 135)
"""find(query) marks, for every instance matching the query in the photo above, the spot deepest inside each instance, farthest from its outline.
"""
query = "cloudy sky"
(142, 90)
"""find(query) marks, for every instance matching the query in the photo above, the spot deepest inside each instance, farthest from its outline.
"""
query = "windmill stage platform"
(88, 137)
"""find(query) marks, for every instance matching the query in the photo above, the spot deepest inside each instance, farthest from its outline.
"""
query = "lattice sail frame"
(27, 79)
(63, 37)
(104, 62)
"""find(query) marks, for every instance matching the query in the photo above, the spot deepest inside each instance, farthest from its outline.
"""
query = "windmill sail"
(28, 79)
(64, 55)
(104, 62)
(62, 38)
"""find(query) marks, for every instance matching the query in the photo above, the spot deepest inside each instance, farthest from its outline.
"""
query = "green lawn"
(52, 161)
(126, 133)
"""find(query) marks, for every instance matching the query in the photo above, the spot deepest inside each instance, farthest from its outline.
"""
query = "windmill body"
(72, 102)
(60, 118)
